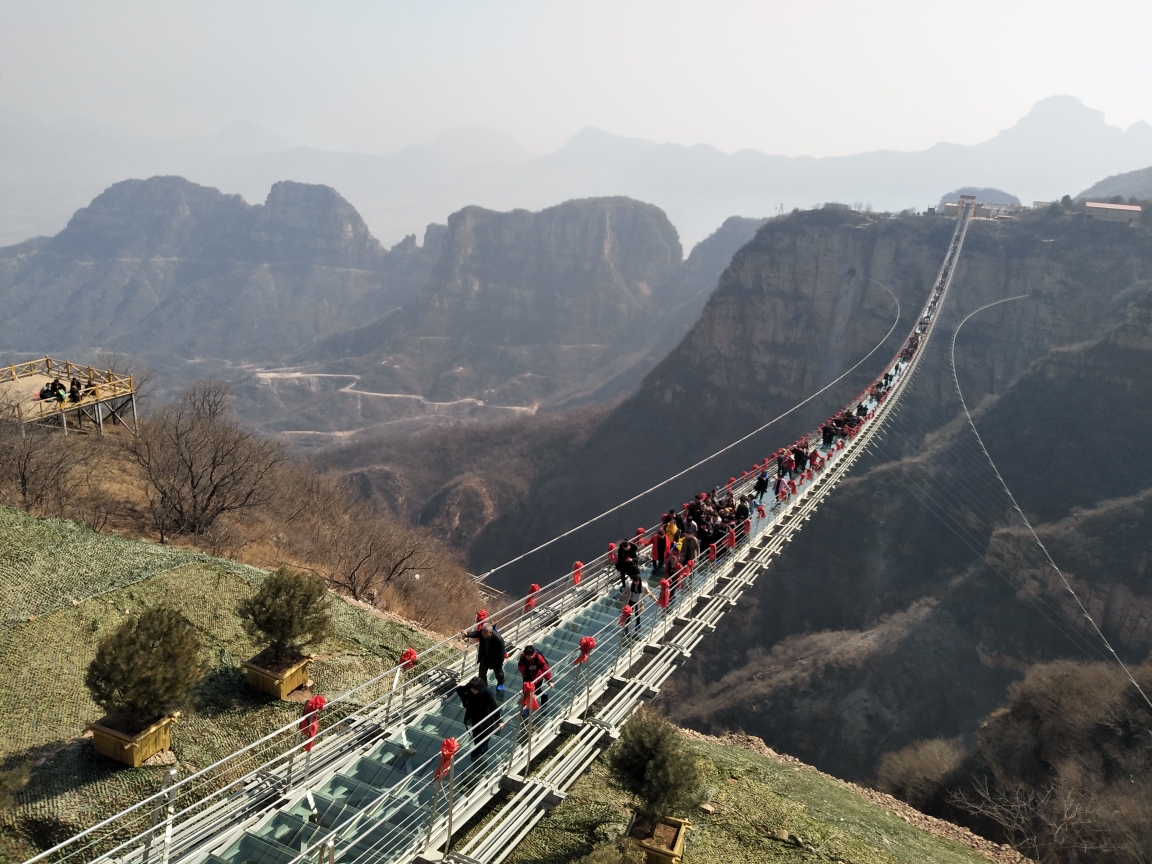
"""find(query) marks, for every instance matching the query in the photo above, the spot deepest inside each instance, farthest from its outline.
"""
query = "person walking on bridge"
(480, 714)
(690, 548)
(761, 486)
(490, 653)
(659, 550)
(634, 595)
(627, 560)
(534, 668)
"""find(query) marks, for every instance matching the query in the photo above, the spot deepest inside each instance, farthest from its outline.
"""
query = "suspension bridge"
(383, 772)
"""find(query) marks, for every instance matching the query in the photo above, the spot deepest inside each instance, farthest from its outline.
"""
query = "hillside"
(64, 588)
(885, 624)
(765, 808)
(1131, 184)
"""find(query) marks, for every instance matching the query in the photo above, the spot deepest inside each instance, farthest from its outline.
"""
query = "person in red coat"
(533, 667)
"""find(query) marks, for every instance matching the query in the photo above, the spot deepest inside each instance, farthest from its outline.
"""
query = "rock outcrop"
(520, 305)
(173, 270)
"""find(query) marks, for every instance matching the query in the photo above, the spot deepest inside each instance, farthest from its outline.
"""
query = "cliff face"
(520, 306)
(167, 267)
(457, 480)
(911, 599)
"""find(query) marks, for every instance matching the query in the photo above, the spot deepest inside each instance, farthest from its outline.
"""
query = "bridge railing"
(246, 780)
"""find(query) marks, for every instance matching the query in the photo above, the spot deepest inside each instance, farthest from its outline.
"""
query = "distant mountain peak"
(1058, 114)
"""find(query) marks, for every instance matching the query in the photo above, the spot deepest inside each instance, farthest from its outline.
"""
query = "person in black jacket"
(761, 486)
(627, 560)
(490, 653)
(480, 714)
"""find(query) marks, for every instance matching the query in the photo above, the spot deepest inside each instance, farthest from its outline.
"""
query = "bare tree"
(37, 464)
(199, 463)
(1049, 824)
(364, 554)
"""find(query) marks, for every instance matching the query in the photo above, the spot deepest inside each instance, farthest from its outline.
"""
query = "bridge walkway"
(373, 785)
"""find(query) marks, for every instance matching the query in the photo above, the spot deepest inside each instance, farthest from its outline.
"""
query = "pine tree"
(654, 764)
(290, 611)
(148, 667)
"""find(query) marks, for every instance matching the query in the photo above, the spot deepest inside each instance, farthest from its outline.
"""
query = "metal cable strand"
(1016, 506)
(724, 449)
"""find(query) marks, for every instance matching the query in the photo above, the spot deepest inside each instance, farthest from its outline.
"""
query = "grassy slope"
(756, 798)
(45, 705)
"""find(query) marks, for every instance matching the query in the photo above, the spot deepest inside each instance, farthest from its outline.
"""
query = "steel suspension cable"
(1016, 506)
(724, 449)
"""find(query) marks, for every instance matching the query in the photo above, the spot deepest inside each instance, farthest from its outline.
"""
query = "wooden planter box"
(276, 683)
(662, 843)
(135, 749)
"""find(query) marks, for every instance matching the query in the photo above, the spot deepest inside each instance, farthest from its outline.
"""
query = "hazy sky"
(821, 77)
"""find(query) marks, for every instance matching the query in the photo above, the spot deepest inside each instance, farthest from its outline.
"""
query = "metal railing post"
(451, 789)
(432, 815)
(391, 693)
(170, 809)
(515, 741)
(291, 760)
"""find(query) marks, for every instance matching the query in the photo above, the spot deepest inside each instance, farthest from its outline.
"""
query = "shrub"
(654, 764)
(290, 611)
(916, 773)
(147, 668)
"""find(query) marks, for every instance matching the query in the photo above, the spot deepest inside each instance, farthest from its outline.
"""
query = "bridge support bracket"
(512, 783)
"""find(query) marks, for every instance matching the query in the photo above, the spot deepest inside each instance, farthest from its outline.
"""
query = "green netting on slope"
(46, 564)
(755, 799)
(46, 706)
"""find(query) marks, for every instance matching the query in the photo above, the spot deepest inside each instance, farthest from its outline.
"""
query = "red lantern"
(310, 722)
(448, 749)
(587, 643)
(408, 659)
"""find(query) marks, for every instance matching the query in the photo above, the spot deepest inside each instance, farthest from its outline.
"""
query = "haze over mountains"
(1060, 147)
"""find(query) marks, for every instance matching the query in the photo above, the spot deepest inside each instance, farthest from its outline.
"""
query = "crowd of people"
(709, 525)
(74, 392)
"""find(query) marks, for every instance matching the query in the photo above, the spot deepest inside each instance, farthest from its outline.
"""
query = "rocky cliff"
(520, 305)
(177, 271)
(912, 599)
(457, 479)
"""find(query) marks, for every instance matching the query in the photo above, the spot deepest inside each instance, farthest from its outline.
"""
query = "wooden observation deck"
(104, 396)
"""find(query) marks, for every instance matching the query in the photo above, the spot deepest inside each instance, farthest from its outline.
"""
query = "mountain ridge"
(1059, 146)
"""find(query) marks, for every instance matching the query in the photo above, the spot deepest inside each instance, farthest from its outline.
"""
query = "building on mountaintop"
(1105, 212)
